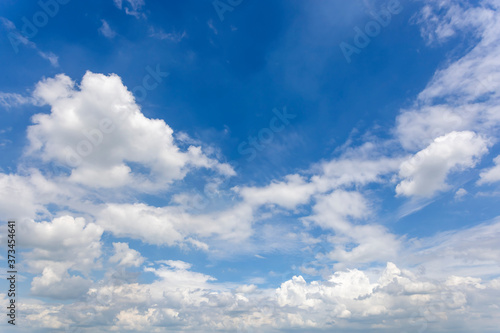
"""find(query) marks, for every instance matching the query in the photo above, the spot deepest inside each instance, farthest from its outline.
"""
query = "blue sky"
(229, 166)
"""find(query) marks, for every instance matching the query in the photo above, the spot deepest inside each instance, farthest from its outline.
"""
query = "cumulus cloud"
(57, 247)
(55, 282)
(354, 244)
(99, 131)
(491, 175)
(17, 197)
(425, 173)
(184, 299)
(125, 256)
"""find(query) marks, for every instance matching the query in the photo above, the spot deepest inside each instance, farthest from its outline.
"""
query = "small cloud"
(16, 39)
(460, 194)
(106, 30)
(51, 57)
(259, 256)
(11, 100)
(211, 26)
(133, 8)
(160, 34)
(257, 280)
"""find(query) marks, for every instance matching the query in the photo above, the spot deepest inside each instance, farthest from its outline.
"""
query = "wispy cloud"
(175, 37)
(16, 38)
(9, 100)
(106, 30)
(132, 7)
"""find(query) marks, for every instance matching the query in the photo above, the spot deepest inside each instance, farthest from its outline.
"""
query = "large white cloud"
(185, 300)
(173, 225)
(425, 173)
(99, 131)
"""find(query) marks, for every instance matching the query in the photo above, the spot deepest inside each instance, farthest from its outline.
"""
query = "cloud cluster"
(371, 278)
(58, 247)
(181, 299)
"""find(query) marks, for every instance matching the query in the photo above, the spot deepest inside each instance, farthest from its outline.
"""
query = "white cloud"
(9, 100)
(162, 35)
(174, 225)
(460, 194)
(293, 191)
(393, 296)
(334, 210)
(65, 239)
(472, 251)
(125, 256)
(56, 282)
(354, 169)
(99, 130)
(16, 39)
(51, 57)
(354, 244)
(56, 247)
(18, 197)
(491, 175)
(133, 7)
(464, 94)
(425, 173)
(106, 30)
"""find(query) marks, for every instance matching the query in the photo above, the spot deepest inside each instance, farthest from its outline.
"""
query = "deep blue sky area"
(281, 54)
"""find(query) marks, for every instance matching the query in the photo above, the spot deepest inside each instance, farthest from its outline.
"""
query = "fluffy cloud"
(425, 173)
(354, 243)
(173, 225)
(294, 190)
(56, 247)
(99, 131)
(18, 197)
(125, 256)
(56, 282)
(182, 299)
(491, 175)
